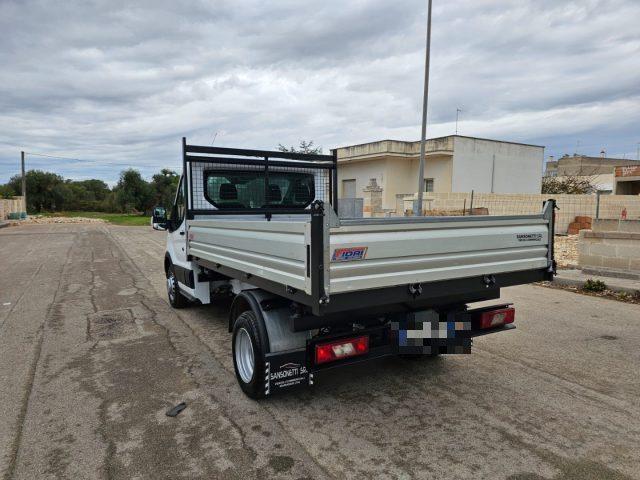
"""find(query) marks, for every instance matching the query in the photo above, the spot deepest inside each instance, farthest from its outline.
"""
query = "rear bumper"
(389, 349)
(297, 368)
(343, 307)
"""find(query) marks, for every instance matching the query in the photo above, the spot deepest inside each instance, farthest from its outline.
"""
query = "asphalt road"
(91, 357)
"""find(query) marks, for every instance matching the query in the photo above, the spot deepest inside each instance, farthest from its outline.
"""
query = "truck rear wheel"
(249, 351)
(176, 298)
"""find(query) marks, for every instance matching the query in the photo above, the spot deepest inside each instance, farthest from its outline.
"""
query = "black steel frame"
(265, 158)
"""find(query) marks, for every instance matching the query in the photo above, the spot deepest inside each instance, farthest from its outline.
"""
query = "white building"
(453, 164)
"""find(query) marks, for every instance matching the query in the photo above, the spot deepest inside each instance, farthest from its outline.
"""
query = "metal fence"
(573, 209)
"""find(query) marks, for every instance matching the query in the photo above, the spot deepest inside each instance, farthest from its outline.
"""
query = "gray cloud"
(120, 84)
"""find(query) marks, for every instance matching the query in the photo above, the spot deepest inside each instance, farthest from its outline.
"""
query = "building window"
(349, 188)
(428, 185)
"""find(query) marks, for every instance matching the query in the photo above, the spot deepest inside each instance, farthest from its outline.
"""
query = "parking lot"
(91, 357)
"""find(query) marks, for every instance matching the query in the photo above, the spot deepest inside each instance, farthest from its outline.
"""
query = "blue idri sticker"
(349, 254)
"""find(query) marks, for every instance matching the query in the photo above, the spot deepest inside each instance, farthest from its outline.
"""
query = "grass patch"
(114, 218)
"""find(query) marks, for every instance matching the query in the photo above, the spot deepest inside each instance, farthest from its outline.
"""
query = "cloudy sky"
(118, 83)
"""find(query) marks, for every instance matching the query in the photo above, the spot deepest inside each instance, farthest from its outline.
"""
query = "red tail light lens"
(341, 349)
(497, 318)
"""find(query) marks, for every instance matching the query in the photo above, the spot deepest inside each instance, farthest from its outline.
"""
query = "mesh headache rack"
(233, 181)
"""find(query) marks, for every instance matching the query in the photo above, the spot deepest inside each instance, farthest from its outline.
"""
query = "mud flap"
(286, 371)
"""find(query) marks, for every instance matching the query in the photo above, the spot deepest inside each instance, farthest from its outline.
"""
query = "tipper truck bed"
(312, 291)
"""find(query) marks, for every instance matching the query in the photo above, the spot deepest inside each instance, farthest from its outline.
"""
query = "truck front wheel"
(176, 298)
(249, 355)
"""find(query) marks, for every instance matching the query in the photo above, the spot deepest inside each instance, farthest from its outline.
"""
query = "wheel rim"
(171, 285)
(244, 355)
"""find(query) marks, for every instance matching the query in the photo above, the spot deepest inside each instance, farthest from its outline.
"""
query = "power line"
(75, 166)
(56, 156)
(93, 162)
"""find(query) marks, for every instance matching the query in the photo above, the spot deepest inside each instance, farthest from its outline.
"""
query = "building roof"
(409, 149)
(583, 165)
(442, 138)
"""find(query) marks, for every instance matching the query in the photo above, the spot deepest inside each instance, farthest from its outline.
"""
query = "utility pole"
(458, 110)
(638, 155)
(24, 182)
(418, 211)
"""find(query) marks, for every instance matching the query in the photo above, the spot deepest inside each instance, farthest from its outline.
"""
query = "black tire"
(176, 298)
(246, 325)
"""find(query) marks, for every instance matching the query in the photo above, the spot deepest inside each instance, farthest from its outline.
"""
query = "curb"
(571, 282)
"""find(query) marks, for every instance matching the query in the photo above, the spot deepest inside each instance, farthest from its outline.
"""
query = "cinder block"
(616, 263)
(590, 260)
(628, 251)
(634, 264)
(603, 249)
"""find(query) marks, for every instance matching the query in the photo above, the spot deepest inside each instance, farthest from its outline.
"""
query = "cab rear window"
(248, 190)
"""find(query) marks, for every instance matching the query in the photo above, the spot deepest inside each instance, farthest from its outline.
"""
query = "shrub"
(594, 286)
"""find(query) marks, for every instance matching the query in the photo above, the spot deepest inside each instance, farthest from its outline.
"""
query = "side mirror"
(159, 218)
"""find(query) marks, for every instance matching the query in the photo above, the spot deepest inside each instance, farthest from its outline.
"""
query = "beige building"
(600, 170)
(627, 180)
(453, 164)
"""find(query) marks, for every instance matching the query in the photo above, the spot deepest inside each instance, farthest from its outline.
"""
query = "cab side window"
(178, 210)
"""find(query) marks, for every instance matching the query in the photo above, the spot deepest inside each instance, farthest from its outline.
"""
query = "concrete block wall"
(10, 205)
(571, 206)
(616, 225)
(610, 253)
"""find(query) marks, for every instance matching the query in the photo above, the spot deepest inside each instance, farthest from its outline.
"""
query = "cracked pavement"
(91, 357)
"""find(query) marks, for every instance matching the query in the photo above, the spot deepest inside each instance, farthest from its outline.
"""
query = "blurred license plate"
(431, 336)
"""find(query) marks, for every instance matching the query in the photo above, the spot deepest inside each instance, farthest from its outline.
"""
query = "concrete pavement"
(92, 356)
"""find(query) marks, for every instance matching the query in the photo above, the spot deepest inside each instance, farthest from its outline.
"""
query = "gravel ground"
(37, 220)
(566, 250)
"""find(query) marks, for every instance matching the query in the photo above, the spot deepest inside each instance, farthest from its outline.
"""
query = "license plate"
(425, 333)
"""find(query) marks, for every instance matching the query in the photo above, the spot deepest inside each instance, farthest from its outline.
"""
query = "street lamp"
(417, 209)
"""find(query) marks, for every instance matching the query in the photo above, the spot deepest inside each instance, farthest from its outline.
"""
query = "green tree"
(45, 190)
(307, 147)
(87, 195)
(133, 193)
(109, 204)
(96, 189)
(164, 186)
(6, 191)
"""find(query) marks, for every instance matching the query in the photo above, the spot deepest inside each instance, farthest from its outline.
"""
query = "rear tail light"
(338, 350)
(497, 318)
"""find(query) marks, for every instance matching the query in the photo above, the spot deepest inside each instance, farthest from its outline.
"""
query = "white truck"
(312, 291)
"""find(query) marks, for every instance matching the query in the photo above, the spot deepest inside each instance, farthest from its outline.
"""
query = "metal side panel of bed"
(276, 250)
(408, 252)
